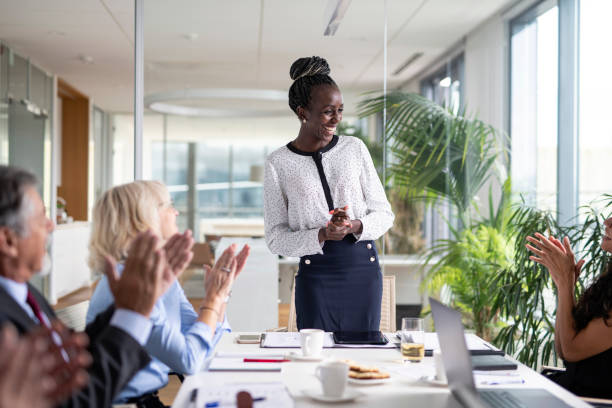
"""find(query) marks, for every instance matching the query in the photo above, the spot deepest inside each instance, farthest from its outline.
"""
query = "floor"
(168, 393)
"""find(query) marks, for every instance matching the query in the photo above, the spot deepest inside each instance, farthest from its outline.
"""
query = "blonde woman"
(181, 337)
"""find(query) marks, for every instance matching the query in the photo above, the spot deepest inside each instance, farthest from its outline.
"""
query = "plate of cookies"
(361, 374)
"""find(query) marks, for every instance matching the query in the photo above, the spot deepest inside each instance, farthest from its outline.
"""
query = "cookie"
(368, 375)
(354, 366)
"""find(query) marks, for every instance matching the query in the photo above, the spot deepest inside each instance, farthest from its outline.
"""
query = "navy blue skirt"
(341, 289)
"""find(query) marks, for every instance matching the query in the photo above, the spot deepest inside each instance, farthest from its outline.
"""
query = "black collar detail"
(329, 146)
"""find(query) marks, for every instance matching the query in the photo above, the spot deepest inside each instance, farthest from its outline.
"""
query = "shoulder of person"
(277, 155)
(351, 142)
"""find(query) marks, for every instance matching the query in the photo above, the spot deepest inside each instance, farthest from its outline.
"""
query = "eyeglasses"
(169, 204)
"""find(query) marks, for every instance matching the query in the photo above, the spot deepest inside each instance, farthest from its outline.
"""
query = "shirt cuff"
(316, 247)
(224, 327)
(134, 324)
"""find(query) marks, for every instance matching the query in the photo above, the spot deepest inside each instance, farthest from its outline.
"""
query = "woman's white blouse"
(295, 207)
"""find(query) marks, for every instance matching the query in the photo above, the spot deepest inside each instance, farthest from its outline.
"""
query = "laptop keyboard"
(501, 399)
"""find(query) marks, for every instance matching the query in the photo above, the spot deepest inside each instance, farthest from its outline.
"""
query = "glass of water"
(413, 339)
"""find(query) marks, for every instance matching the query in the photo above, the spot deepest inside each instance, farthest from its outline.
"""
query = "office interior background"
(216, 75)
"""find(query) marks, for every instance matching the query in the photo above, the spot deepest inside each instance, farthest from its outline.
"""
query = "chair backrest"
(292, 323)
(74, 316)
(387, 307)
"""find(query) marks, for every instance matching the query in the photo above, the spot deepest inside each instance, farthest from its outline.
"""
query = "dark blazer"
(116, 355)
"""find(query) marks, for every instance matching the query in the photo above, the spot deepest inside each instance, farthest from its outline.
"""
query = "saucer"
(293, 356)
(317, 395)
(432, 380)
(376, 381)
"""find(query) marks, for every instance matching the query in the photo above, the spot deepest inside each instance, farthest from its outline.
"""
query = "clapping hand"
(37, 373)
(557, 257)
(178, 255)
(142, 281)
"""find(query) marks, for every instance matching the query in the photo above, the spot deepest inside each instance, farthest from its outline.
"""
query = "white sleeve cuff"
(134, 324)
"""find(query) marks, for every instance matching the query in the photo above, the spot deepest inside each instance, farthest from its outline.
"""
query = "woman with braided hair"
(583, 330)
(339, 282)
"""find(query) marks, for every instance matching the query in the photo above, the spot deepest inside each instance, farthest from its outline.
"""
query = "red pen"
(263, 360)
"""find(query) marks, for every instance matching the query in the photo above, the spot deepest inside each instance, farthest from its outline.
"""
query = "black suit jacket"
(116, 355)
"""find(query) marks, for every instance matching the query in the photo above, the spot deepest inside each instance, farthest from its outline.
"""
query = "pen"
(193, 397)
(264, 360)
(215, 404)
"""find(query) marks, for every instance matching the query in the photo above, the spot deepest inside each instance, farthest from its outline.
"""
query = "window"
(533, 122)
(595, 127)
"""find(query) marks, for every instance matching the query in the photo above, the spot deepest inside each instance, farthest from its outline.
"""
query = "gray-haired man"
(116, 336)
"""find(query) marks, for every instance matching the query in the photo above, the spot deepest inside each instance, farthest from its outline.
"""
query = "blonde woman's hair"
(119, 215)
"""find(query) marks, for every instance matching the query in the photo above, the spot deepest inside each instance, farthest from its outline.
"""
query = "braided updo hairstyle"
(595, 302)
(307, 73)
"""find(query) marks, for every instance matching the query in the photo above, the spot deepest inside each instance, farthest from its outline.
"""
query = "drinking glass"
(413, 337)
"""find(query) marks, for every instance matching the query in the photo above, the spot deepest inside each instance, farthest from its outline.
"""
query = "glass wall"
(595, 88)
(207, 134)
(534, 88)
(26, 94)
(444, 87)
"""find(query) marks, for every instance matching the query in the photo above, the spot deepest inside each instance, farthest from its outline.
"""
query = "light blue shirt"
(134, 324)
(178, 342)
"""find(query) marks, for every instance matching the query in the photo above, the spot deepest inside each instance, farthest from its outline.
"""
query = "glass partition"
(25, 122)
(220, 101)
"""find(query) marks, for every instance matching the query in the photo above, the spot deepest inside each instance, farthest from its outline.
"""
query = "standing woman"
(339, 281)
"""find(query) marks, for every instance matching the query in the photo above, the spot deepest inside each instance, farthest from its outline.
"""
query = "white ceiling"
(239, 44)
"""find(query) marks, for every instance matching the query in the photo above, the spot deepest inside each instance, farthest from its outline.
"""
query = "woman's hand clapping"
(218, 280)
(557, 257)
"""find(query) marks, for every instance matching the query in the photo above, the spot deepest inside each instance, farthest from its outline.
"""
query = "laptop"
(458, 367)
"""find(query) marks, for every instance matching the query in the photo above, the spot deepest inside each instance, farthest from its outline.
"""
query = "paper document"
(497, 377)
(472, 341)
(266, 395)
(235, 362)
(290, 340)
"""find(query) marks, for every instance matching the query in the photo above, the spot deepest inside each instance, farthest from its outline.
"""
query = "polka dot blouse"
(295, 204)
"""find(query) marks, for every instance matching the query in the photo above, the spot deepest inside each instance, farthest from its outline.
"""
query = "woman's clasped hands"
(339, 226)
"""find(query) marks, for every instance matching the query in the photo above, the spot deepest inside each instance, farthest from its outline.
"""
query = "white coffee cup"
(311, 341)
(439, 363)
(333, 376)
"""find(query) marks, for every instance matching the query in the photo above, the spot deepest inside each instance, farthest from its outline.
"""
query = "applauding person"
(117, 335)
(583, 329)
(181, 337)
(37, 373)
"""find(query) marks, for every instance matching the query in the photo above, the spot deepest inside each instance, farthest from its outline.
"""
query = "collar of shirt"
(19, 292)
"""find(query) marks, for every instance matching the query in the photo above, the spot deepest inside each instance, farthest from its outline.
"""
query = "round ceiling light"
(162, 102)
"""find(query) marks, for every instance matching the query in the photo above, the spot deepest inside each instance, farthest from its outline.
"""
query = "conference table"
(405, 388)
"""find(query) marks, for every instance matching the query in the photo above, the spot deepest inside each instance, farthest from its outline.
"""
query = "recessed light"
(445, 82)
(191, 36)
(85, 59)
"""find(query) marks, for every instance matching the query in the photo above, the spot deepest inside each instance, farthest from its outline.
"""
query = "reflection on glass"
(533, 127)
(595, 136)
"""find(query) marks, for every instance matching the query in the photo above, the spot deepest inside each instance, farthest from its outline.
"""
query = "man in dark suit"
(117, 335)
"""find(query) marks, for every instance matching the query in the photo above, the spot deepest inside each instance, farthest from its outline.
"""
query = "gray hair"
(15, 207)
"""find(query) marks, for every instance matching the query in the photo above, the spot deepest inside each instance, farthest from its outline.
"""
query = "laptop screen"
(455, 354)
